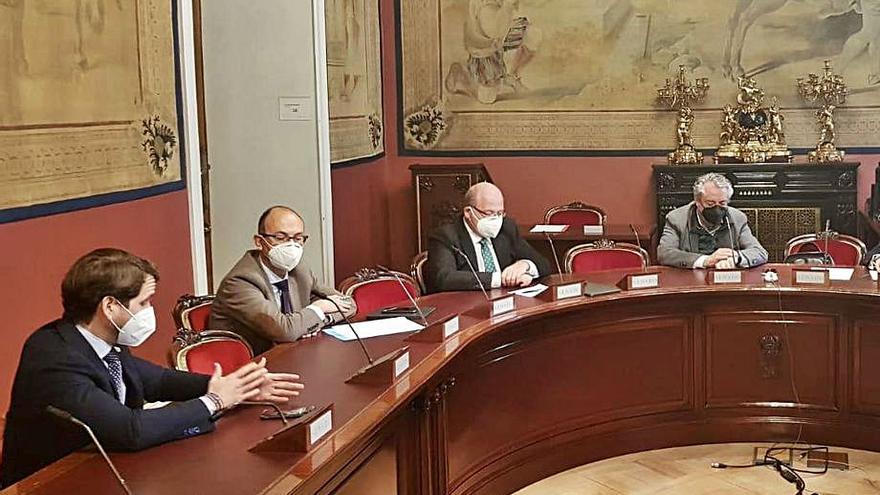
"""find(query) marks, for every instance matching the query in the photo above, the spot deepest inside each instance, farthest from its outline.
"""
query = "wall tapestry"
(582, 75)
(354, 79)
(89, 110)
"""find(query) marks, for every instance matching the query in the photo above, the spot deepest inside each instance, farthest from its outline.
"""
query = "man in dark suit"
(268, 296)
(491, 243)
(81, 364)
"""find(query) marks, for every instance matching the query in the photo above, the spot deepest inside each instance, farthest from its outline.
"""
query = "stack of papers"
(548, 229)
(532, 291)
(373, 328)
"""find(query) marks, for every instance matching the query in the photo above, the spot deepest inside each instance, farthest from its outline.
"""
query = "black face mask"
(715, 214)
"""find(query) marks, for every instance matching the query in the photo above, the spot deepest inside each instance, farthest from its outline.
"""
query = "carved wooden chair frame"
(604, 245)
(830, 235)
(186, 340)
(575, 206)
(366, 276)
(416, 270)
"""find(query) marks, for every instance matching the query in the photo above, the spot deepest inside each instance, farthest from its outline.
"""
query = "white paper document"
(373, 328)
(548, 229)
(838, 273)
(873, 275)
(532, 291)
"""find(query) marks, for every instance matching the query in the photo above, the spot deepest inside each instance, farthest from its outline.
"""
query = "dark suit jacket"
(246, 304)
(58, 367)
(446, 270)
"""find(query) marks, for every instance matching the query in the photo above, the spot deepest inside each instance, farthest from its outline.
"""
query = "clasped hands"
(253, 382)
(515, 275)
(722, 258)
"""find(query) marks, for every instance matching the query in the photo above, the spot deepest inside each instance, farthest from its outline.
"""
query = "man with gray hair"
(707, 233)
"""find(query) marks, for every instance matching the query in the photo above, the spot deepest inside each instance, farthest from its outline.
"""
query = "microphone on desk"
(553, 250)
(638, 242)
(409, 296)
(348, 322)
(473, 272)
(69, 417)
(734, 244)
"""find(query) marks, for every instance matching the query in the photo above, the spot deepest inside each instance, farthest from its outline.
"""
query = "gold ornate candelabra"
(831, 90)
(678, 94)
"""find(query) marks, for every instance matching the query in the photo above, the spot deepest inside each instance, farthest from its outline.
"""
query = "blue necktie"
(284, 288)
(486, 252)
(114, 365)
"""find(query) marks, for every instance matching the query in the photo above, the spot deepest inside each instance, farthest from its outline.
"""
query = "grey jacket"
(245, 304)
(679, 245)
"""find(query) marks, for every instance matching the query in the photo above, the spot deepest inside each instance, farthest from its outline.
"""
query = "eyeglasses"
(499, 213)
(281, 237)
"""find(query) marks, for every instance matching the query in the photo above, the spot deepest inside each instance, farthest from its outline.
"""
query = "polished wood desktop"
(513, 399)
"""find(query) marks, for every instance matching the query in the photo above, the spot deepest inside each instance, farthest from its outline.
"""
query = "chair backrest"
(191, 312)
(372, 290)
(197, 352)
(604, 254)
(416, 270)
(843, 249)
(575, 214)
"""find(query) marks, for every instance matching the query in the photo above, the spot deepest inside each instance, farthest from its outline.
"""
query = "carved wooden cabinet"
(781, 200)
(440, 192)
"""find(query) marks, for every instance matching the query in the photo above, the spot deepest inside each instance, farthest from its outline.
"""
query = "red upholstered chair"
(843, 249)
(604, 255)
(191, 312)
(575, 214)
(372, 290)
(197, 352)
(417, 270)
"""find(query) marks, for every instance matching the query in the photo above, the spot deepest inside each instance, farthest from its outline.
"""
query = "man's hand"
(718, 255)
(725, 264)
(346, 304)
(524, 280)
(240, 385)
(279, 387)
(510, 276)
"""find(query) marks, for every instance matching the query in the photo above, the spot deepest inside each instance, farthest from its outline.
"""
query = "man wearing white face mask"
(491, 243)
(81, 364)
(268, 296)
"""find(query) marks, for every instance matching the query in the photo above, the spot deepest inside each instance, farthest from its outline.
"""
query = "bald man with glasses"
(268, 296)
(491, 243)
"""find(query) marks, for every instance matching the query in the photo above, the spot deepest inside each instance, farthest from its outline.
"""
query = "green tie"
(486, 251)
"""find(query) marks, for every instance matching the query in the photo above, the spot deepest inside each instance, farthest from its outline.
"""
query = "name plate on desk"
(320, 427)
(646, 280)
(436, 332)
(567, 291)
(401, 364)
(724, 277)
(300, 435)
(809, 277)
(501, 305)
(594, 229)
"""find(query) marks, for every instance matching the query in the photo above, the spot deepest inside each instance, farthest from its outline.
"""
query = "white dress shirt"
(274, 279)
(476, 239)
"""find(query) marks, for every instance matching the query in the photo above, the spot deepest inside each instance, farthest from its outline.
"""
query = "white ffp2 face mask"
(489, 226)
(138, 328)
(285, 256)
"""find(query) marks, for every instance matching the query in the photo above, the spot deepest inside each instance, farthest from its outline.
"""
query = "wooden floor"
(686, 471)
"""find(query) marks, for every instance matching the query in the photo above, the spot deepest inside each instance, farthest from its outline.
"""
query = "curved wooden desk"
(511, 400)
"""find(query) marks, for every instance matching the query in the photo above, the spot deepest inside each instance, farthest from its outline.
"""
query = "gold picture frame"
(354, 79)
(582, 76)
(89, 104)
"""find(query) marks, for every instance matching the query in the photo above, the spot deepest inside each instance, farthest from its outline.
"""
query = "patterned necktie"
(284, 288)
(486, 252)
(115, 367)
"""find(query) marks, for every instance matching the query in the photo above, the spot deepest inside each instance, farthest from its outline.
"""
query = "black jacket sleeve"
(448, 270)
(522, 250)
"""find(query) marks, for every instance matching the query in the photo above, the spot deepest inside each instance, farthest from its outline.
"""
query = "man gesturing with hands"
(82, 364)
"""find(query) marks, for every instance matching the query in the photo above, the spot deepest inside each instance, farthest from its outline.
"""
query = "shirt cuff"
(496, 280)
(701, 262)
(318, 311)
(212, 409)
(533, 269)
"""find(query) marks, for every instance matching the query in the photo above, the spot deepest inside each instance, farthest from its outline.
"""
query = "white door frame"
(323, 125)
